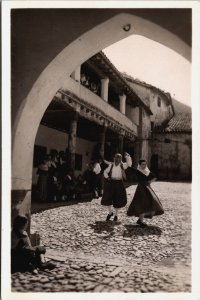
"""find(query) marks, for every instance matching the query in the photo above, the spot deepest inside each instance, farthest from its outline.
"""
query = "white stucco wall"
(132, 113)
(55, 139)
(150, 98)
(146, 125)
(142, 91)
(161, 113)
(51, 138)
(146, 134)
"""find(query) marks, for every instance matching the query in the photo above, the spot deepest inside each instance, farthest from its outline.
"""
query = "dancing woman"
(145, 203)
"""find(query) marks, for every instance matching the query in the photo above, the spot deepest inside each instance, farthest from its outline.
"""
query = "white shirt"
(117, 170)
(97, 168)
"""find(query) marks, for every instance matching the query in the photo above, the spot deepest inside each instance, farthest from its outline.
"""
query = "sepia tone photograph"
(101, 147)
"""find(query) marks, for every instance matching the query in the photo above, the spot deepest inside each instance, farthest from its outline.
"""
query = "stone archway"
(34, 105)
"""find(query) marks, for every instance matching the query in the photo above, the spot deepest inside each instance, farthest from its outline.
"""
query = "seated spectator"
(94, 87)
(80, 186)
(68, 187)
(24, 257)
(89, 178)
(84, 80)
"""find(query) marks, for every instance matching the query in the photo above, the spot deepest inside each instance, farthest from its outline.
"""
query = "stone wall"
(174, 155)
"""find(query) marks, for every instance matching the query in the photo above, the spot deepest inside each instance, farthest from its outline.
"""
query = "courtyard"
(93, 255)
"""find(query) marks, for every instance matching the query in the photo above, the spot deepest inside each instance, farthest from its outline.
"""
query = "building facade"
(97, 110)
(162, 110)
(102, 112)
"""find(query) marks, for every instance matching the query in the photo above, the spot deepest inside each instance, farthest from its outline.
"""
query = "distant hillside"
(180, 107)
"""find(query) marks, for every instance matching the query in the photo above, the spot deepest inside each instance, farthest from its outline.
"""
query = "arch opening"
(33, 107)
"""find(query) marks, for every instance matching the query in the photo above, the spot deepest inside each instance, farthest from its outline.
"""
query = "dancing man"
(114, 194)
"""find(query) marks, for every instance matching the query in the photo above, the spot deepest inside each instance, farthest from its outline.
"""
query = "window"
(159, 102)
(78, 162)
(167, 141)
(39, 154)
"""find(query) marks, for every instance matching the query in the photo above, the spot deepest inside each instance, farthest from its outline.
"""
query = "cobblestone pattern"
(79, 275)
(156, 258)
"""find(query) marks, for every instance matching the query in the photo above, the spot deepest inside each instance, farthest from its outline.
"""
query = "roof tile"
(181, 122)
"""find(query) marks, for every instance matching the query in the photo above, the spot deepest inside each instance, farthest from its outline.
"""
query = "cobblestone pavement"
(97, 256)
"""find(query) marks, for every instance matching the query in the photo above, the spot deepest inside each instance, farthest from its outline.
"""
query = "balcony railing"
(88, 97)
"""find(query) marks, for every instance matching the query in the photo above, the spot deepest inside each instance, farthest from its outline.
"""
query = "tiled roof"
(181, 122)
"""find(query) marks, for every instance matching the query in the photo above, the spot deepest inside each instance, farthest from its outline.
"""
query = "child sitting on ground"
(24, 257)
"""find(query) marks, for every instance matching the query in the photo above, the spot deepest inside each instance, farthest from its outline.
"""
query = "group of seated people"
(93, 86)
(56, 182)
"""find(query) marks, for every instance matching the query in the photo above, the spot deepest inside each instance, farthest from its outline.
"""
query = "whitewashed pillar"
(122, 99)
(104, 88)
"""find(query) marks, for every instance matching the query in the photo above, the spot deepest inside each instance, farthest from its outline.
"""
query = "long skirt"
(114, 194)
(99, 182)
(42, 187)
(146, 202)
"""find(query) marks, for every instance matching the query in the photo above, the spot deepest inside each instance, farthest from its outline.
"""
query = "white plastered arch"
(57, 72)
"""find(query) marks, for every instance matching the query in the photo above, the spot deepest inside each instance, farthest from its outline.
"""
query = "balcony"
(96, 106)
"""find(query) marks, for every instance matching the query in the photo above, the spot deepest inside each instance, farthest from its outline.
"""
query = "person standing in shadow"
(42, 183)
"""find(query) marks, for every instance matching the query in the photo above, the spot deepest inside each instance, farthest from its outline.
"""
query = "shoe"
(109, 216)
(32, 269)
(47, 265)
(96, 194)
(35, 272)
(115, 218)
(141, 223)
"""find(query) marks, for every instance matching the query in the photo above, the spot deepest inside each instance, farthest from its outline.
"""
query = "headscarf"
(118, 155)
(145, 171)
